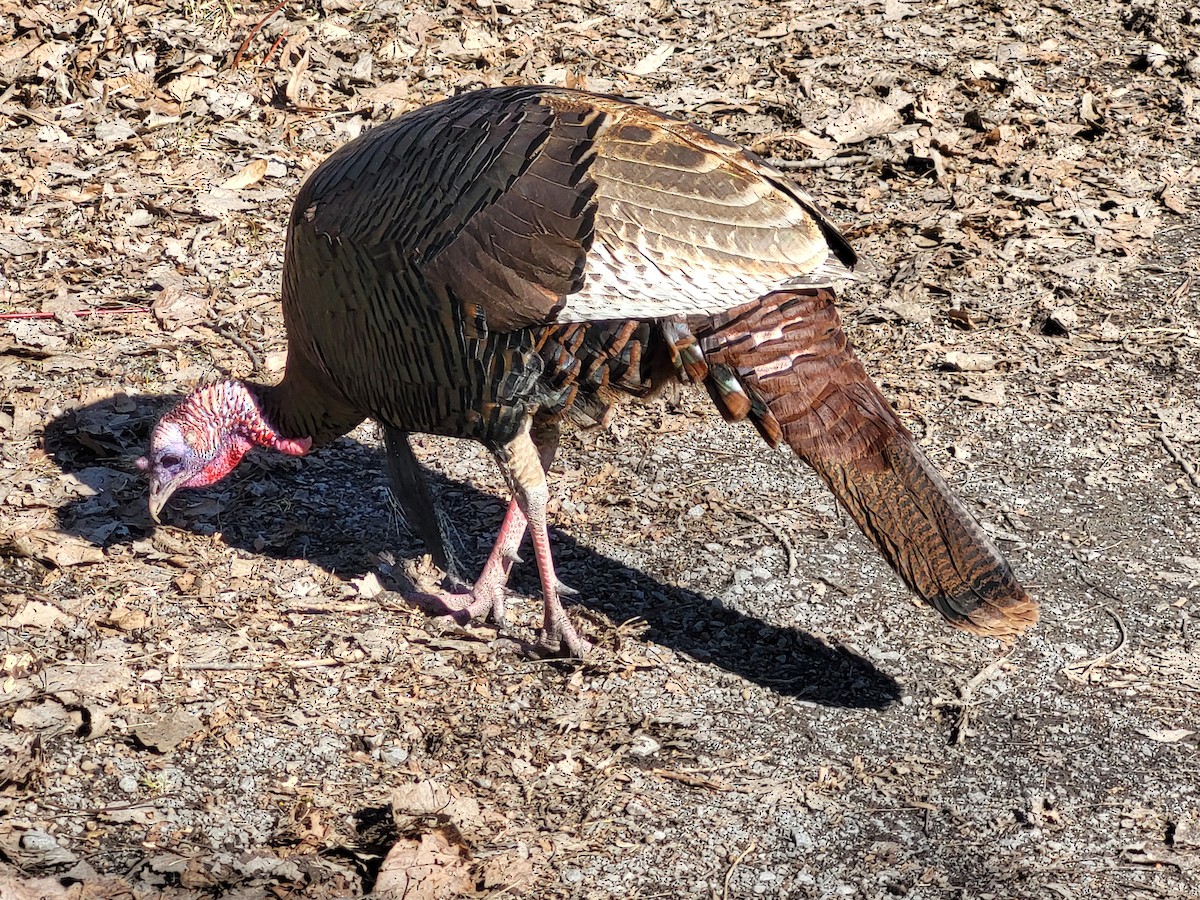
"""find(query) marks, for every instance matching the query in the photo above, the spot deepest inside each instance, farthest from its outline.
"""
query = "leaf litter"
(238, 703)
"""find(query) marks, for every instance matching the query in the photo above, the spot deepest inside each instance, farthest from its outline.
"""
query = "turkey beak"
(160, 493)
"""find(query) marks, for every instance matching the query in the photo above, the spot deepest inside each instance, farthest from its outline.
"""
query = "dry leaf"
(1166, 736)
(1061, 321)
(252, 173)
(369, 586)
(61, 550)
(125, 619)
(296, 82)
(35, 614)
(652, 61)
(185, 87)
(990, 394)
(49, 715)
(507, 870)
(429, 868)
(113, 132)
(20, 762)
(1171, 199)
(1186, 831)
(959, 361)
(168, 731)
(14, 887)
(895, 10)
(175, 308)
(389, 92)
(865, 118)
(908, 310)
(413, 802)
(219, 201)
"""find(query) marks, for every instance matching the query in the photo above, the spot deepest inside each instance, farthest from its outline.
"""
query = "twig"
(1084, 667)
(241, 50)
(737, 763)
(275, 46)
(1173, 452)
(737, 861)
(776, 532)
(75, 811)
(239, 342)
(830, 163)
(693, 780)
(324, 662)
(966, 696)
(30, 314)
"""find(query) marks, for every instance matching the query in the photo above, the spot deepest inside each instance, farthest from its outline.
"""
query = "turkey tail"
(803, 384)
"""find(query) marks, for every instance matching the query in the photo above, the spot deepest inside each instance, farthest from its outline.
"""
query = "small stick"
(241, 50)
(693, 780)
(238, 342)
(1084, 666)
(322, 663)
(275, 46)
(776, 532)
(832, 162)
(1173, 452)
(966, 693)
(29, 314)
(737, 861)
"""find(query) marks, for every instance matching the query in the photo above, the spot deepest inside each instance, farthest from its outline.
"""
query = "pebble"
(802, 839)
(394, 756)
(128, 784)
(637, 808)
(643, 745)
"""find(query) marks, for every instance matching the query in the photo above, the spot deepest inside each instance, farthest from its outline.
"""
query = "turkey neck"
(301, 406)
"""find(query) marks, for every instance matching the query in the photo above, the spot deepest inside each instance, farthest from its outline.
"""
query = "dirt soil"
(239, 704)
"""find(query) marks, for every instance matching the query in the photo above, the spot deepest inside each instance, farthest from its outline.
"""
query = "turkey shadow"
(333, 507)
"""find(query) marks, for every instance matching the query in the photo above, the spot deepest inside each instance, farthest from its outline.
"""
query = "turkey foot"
(486, 598)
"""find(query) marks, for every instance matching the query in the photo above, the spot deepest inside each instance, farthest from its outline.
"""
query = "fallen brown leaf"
(430, 867)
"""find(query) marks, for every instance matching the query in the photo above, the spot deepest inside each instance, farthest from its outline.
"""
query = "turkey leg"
(487, 596)
(523, 466)
(410, 487)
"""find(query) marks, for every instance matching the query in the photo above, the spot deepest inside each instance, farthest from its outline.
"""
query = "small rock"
(1185, 832)
(128, 784)
(35, 850)
(393, 756)
(643, 746)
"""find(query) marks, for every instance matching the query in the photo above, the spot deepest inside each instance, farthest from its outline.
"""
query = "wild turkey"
(486, 266)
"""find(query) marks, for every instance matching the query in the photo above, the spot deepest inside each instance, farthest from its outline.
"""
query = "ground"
(237, 703)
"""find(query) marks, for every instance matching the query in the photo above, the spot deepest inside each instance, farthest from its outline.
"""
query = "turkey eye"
(170, 460)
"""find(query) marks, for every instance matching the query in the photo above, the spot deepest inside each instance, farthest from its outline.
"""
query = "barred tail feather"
(791, 353)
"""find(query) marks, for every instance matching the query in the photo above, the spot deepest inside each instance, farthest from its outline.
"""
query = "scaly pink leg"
(523, 467)
(488, 592)
(487, 595)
